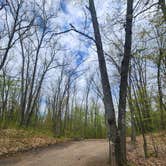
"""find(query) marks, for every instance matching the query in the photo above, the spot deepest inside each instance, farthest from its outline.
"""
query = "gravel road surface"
(80, 153)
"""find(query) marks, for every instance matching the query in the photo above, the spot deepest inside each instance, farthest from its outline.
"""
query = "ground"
(79, 153)
(42, 150)
(156, 143)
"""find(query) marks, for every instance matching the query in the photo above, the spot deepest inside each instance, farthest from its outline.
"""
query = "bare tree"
(108, 102)
(124, 78)
(19, 22)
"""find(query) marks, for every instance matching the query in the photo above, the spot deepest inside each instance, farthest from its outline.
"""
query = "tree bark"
(163, 8)
(124, 78)
(160, 93)
(108, 101)
(86, 109)
(131, 107)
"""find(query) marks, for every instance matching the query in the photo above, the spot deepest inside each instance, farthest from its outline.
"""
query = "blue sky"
(63, 5)
(81, 51)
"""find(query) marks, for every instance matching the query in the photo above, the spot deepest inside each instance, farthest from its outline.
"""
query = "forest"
(86, 69)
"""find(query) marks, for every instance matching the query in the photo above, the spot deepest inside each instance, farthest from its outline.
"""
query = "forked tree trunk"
(108, 102)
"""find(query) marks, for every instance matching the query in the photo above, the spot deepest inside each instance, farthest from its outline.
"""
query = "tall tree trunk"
(86, 111)
(22, 82)
(124, 78)
(141, 124)
(160, 90)
(108, 102)
(66, 118)
(131, 107)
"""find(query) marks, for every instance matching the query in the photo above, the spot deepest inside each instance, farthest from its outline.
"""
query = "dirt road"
(83, 153)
